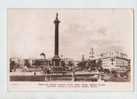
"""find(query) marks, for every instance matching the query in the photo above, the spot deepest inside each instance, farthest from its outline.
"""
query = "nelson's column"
(56, 58)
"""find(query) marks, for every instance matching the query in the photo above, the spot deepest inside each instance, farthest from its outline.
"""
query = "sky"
(31, 31)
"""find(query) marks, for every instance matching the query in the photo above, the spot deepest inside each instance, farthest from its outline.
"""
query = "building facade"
(115, 60)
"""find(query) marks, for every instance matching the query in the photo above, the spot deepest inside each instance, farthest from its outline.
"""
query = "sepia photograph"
(75, 46)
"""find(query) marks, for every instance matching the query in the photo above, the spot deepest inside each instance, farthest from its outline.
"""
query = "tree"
(92, 65)
(99, 65)
(70, 64)
(27, 63)
(82, 65)
(12, 65)
(37, 63)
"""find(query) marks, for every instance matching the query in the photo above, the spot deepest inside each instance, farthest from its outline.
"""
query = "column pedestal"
(56, 60)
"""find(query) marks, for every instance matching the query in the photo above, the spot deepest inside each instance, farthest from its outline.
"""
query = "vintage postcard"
(70, 49)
